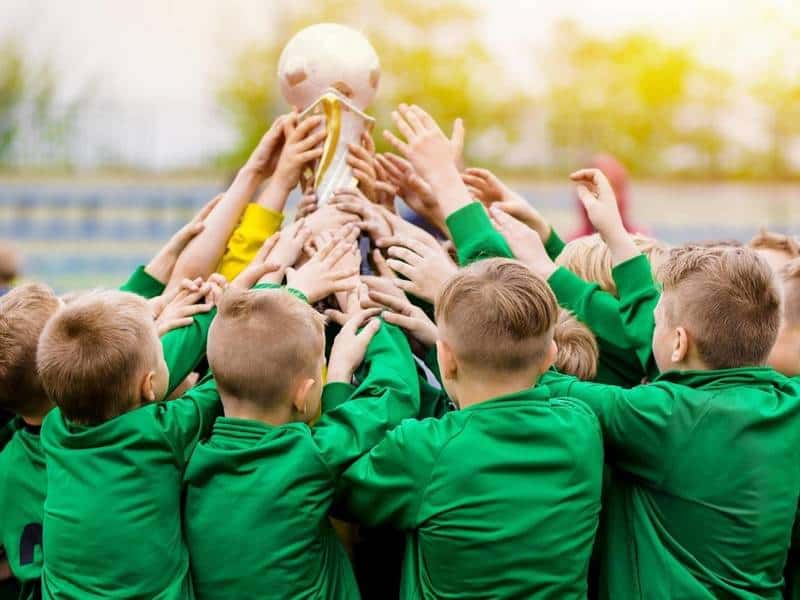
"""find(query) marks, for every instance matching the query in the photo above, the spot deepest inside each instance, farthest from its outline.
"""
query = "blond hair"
(790, 287)
(727, 299)
(261, 341)
(24, 311)
(778, 242)
(577, 347)
(497, 316)
(590, 258)
(92, 353)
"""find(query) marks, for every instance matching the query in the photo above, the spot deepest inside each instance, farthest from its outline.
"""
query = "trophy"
(333, 71)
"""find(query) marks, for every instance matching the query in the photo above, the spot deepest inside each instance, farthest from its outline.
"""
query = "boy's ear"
(552, 352)
(448, 366)
(300, 396)
(148, 388)
(680, 345)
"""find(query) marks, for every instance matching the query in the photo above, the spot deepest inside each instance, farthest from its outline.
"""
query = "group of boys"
(490, 413)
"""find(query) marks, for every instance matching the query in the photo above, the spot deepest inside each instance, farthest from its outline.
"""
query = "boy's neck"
(236, 408)
(476, 390)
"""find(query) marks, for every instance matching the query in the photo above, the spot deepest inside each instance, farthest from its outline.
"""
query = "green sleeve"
(387, 486)
(185, 347)
(635, 422)
(143, 284)
(638, 298)
(334, 394)
(189, 419)
(388, 394)
(473, 235)
(554, 245)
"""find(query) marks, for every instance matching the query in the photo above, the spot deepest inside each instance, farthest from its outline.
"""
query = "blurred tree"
(430, 54)
(12, 92)
(780, 95)
(624, 96)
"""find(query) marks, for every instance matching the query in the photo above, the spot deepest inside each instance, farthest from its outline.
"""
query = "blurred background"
(119, 119)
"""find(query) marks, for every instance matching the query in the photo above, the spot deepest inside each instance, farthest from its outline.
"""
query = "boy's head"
(266, 349)
(577, 347)
(777, 249)
(496, 321)
(100, 357)
(719, 309)
(24, 311)
(590, 258)
(785, 355)
(9, 265)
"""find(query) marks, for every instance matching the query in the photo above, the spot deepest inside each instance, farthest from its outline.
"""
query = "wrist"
(339, 374)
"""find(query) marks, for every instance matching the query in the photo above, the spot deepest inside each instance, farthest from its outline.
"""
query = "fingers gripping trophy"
(332, 71)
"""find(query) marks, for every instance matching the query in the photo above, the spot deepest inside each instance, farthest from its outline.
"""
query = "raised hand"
(350, 345)
(490, 190)
(303, 145)
(306, 206)
(372, 220)
(289, 247)
(598, 198)
(426, 268)
(407, 316)
(362, 162)
(328, 270)
(181, 305)
(161, 266)
(525, 243)
(414, 190)
(264, 158)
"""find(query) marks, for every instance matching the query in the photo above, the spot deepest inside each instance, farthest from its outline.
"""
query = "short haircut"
(577, 347)
(9, 263)
(590, 258)
(261, 341)
(727, 299)
(769, 240)
(789, 278)
(24, 311)
(497, 316)
(92, 353)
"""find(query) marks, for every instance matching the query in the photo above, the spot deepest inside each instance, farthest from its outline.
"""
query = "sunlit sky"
(165, 58)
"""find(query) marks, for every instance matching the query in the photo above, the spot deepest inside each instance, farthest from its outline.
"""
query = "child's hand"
(362, 161)
(414, 190)
(371, 217)
(302, 146)
(350, 346)
(407, 316)
(490, 190)
(597, 196)
(181, 305)
(264, 158)
(327, 272)
(403, 229)
(306, 206)
(525, 243)
(259, 266)
(426, 268)
(328, 218)
(163, 263)
(287, 250)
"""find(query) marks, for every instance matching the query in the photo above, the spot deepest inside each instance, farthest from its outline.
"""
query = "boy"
(577, 347)
(501, 498)
(785, 355)
(283, 473)
(777, 249)
(706, 473)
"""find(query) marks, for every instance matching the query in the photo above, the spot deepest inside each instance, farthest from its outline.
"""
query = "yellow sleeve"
(257, 224)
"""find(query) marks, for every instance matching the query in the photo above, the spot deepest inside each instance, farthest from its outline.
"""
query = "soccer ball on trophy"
(333, 71)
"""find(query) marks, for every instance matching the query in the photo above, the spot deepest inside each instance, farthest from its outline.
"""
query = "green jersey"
(706, 478)
(499, 500)
(276, 540)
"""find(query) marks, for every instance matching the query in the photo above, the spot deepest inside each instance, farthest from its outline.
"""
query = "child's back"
(258, 492)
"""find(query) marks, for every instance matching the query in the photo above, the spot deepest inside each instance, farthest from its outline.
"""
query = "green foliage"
(430, 54)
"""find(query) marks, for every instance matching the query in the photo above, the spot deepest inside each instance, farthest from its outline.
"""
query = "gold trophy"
(333, 71)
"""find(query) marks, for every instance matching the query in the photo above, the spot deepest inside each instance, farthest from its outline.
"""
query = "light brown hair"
(261, 341)
(769, 240)
(497, 316)
(24, 311)
(92, 353)
(790, 284)
(727, 299)
(9, 263)
(577, 347)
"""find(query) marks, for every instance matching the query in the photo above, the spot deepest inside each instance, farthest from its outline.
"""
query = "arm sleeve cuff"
(275, 286)
(473, 235)
(143, 284)
(567, 287)
(633, 275)
(554, 244)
